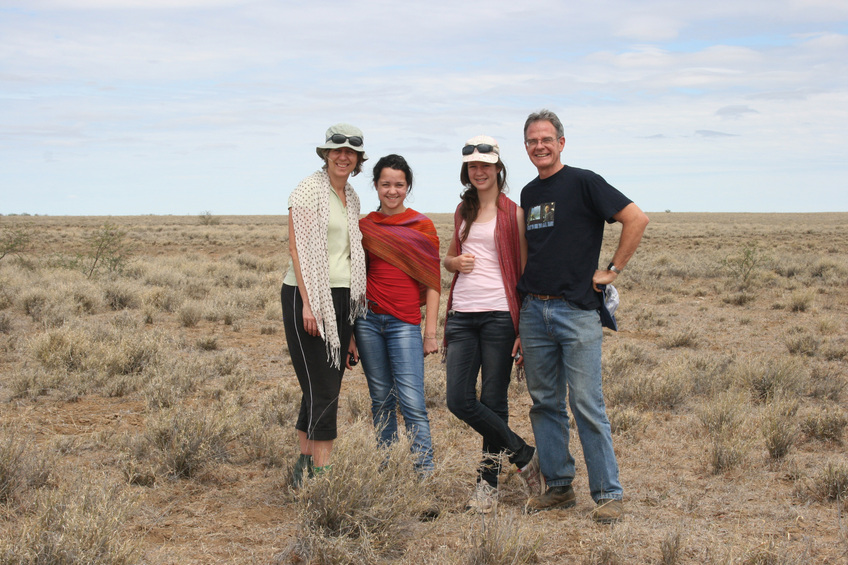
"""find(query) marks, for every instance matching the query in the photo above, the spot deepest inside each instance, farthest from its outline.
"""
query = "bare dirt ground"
(747, 307)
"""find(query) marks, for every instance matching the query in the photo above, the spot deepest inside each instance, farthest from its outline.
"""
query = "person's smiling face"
(341, 162)
(544, 147)
(391, 189)
(484, 176)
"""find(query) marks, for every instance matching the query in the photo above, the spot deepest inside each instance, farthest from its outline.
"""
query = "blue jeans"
(483, 341)
(562, 350)
(392, 355)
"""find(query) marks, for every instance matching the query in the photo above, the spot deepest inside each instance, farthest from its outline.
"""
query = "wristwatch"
(614, 269)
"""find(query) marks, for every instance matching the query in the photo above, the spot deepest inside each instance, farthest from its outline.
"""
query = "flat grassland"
(147, 404)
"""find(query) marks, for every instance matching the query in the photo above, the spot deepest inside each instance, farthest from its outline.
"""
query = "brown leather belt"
(544, 296)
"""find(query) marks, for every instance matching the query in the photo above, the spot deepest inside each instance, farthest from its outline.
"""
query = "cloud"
(710, 133)
(735, 111)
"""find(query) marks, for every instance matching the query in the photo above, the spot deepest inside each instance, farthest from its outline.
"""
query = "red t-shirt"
(393, 291)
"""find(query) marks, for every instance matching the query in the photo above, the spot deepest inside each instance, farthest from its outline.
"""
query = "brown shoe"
(608, 510)
(554, 497)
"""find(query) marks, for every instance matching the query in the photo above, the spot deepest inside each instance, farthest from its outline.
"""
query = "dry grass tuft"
(804, 344)
(779, 426)
(768, 378)
(671, 549)
(825, 425)
(186, 440)
(724, 417)
(503, 540)
(81, 521)
(190, 314)
(352, 511)
(831, 484)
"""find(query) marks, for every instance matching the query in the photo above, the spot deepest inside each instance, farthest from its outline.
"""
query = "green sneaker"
(608, 510)
(554, 497)
(302, 467)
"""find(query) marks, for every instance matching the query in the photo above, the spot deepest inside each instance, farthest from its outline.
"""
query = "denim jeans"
(392, 355)
(562, 350)
(475, 341)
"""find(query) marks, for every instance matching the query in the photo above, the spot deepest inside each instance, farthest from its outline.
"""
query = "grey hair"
(544, 115)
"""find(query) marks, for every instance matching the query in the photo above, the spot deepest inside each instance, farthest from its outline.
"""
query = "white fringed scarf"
(310, 217)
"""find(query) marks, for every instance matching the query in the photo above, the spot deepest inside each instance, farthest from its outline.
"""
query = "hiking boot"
(608, 510)
(531, 476)
(554, 497)
(485, 499)
(302, 467)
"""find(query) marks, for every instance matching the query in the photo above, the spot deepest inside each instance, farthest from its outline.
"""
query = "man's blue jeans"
(392, 355)
(481, 343)
(562, 352)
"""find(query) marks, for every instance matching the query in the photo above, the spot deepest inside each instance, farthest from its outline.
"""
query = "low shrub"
(190, 314)
(351, 514)
(723, 414)
(779, 426)
(188, 439)
(831, 483)
(686, 337)
(769, 377)
(805, 344)
(801, 301)
(503, 540)
(81, 521)
(825, 425)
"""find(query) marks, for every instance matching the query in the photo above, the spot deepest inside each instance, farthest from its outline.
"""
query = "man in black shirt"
(560, 326)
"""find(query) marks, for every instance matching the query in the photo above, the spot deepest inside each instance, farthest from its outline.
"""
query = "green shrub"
(107, 250)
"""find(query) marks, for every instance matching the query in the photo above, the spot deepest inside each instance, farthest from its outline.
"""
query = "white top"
(481, 290)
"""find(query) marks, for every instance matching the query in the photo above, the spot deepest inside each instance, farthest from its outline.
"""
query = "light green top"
(338, 246)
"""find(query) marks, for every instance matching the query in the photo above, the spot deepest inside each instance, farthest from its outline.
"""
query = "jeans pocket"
(525, 303)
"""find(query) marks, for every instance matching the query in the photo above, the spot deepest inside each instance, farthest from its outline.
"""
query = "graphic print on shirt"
(541, 216)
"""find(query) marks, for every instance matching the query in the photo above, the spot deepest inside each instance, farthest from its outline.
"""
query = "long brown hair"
(470, 207)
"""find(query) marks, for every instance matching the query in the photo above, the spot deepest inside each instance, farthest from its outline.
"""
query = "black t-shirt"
(565, 215)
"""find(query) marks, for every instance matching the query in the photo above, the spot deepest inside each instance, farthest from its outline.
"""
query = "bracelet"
(429, 337)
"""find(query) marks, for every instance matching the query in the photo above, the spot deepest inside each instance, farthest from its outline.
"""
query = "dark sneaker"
(485, 499)
(430, 513)
(608, 510)
(554, 497)
(531, 476)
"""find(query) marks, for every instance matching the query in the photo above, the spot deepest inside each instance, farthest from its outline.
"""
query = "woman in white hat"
(324, 290)
(487, 255)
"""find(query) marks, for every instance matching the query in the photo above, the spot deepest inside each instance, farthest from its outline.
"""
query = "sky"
(127, 107)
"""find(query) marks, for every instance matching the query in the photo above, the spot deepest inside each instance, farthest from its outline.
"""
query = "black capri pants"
(320, 382)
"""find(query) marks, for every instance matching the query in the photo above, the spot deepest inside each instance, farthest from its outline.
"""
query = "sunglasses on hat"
(481, 148)
(339, 138)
